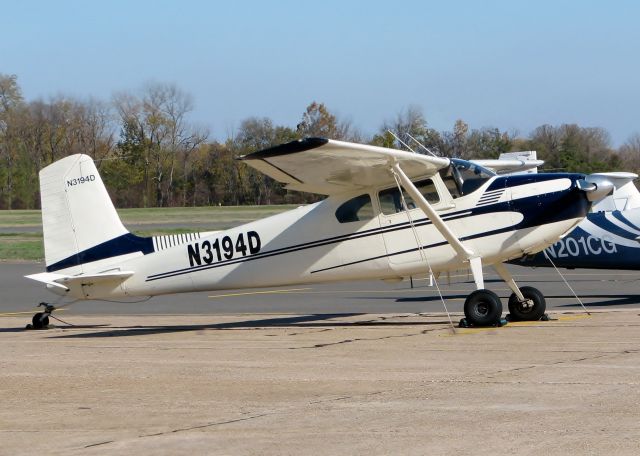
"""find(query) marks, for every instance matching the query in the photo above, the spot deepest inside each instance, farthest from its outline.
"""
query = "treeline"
(150, 154)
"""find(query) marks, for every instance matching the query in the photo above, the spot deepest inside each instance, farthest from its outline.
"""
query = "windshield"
(463, 177)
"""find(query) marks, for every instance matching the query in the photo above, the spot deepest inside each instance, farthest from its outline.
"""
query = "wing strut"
(475, 261)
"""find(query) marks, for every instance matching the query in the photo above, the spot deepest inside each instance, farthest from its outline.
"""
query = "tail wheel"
(40, 321)
(483, 308)
(531, 309)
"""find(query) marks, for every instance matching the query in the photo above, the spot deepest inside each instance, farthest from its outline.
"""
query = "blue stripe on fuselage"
(122, 245)
(536, 210)
(620, 216)
(523, 179)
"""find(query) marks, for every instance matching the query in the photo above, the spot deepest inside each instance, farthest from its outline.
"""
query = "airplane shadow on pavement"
(614, 299)
(298, 321)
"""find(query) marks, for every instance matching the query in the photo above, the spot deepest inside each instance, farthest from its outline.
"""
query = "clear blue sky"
(507, 64)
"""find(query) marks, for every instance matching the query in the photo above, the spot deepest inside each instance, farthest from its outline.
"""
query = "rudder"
(77, 213)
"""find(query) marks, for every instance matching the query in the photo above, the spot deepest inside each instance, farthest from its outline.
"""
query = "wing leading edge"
(327, 167)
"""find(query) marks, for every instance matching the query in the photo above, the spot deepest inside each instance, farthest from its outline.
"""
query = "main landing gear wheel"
(531, 309)
(483, 308)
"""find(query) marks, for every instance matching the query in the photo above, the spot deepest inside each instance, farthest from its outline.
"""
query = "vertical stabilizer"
(625, 194)
(77, 213)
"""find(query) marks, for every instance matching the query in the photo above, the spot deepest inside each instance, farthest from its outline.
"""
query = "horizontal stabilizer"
(49, 278)
(65, 282)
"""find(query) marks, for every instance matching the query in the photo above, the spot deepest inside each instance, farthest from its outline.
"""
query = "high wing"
(520, 162)
(505, 166)
(327, 167)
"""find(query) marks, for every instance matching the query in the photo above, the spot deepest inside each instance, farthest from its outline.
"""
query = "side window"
(428, 189)
(391, 203)
(356, 209)
(450, 183)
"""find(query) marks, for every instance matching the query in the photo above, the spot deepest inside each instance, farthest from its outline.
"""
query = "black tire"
(483, 308)
(40, 322)
(524, 311)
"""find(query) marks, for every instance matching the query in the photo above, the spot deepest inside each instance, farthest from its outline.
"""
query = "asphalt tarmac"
(597, 289)
(349, 368)
(342, 384)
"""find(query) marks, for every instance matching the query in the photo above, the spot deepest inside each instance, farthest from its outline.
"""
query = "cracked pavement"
(321, 384)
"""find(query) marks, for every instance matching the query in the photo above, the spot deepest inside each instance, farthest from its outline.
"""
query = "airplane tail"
(79, 222)
(625, 194)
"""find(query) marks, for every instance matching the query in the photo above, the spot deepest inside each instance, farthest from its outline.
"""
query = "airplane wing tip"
(292, 147)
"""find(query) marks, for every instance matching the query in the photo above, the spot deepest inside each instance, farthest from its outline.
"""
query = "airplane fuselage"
(503, 219)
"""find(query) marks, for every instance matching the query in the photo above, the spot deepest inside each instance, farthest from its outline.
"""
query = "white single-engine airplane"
(452, 214)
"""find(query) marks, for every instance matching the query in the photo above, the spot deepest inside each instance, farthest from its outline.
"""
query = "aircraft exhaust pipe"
(596, 187)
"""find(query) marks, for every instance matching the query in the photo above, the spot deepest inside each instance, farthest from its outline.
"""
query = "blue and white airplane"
(450, 214)
(608, 238)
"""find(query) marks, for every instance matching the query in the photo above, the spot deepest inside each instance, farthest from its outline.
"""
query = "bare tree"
(10, 108)
(318, 121)
(573, 148)
(630, 153)
(96, 129)
(157, 136)
(410, 123)
(459, 138)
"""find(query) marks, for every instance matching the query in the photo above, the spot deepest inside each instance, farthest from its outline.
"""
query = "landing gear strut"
(531, 308)
(483, 307)
(525, 303)
(41, 319)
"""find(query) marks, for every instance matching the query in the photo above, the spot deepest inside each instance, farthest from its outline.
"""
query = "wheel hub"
(482, 309)
(526, 305)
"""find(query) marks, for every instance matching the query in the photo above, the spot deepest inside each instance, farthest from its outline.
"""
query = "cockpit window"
(390, 201)
(462, 177)
(356, 209)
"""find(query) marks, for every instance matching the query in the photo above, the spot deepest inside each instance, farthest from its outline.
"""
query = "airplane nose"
(596, 187)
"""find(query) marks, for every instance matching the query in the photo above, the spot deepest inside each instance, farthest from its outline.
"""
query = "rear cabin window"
(391, 203)
(355, 210)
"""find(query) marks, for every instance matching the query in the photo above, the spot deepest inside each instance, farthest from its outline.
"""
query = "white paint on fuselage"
(309, 245)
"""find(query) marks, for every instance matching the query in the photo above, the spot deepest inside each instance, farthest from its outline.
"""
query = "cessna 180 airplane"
(450, 214)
